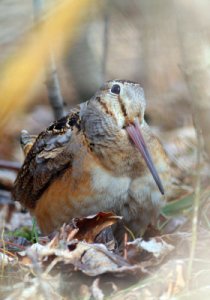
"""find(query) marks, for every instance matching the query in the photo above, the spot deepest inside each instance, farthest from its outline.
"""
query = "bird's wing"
(47, 159)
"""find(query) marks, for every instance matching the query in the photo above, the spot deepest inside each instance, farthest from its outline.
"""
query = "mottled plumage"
(95, 159)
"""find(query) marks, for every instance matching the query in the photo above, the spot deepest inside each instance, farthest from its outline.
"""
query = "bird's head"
(123, 102)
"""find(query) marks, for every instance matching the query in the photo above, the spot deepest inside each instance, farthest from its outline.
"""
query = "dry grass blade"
(18, 78)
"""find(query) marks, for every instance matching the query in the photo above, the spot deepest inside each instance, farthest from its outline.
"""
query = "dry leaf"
(88, 228)
(152, 251)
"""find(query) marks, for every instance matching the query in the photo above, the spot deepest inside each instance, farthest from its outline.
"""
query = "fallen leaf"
(91, 226)
(151, 251)
(88, 228)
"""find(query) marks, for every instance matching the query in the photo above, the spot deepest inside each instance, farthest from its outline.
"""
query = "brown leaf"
(91, 226)
(88, 228)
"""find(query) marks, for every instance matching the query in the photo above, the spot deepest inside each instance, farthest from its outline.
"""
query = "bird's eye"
(115, 89)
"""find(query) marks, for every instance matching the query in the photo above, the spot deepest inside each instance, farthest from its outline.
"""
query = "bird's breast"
(125, 195)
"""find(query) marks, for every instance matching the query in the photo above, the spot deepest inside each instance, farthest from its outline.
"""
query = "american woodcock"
(101, 157)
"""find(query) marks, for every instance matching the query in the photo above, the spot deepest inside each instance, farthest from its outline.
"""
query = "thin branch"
(192, 61)
(54, 90)
(52, 81)
(196, 199)
(38, 8)
(10, 165)
(105, 46)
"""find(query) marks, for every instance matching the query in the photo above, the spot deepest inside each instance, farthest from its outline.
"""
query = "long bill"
(135, 134)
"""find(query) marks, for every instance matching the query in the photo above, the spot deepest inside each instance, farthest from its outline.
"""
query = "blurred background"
(161, 44)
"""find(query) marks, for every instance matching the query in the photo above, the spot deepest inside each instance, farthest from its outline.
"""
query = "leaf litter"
(83, 260)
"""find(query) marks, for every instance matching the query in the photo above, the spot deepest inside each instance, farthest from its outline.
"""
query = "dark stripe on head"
(103, 104)
(122, 106)
(106, 109)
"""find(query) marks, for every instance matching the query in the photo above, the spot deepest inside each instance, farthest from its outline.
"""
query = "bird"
(102, 156)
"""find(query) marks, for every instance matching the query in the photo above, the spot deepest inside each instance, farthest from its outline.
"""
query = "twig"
(105, 46)
(125, 254)
(54, 91)
(196, 198)
(192, 64)
(52, 81)
(38, 8)
(12, 245)
(10, 165)
(3, 248)
(129, 232)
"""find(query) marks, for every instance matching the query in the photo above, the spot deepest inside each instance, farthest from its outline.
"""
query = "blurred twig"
(3, 248)
(195, 52)
(196, 198)
(105, 46)
(10, 165)
(52, 81)
(194, 71)
(54, 90)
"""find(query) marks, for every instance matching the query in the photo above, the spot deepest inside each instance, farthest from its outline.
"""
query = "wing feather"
(47, 159)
